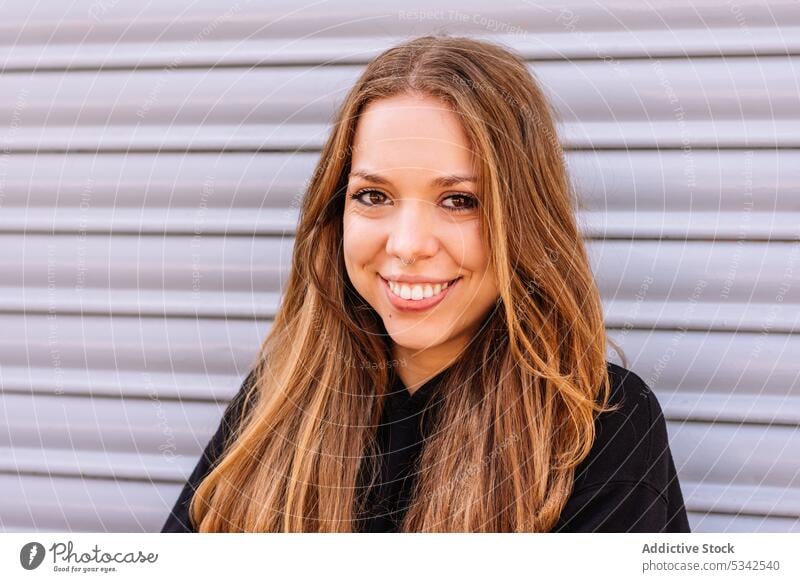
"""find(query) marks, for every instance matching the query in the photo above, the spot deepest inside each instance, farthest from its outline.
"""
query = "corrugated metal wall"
(151, 166)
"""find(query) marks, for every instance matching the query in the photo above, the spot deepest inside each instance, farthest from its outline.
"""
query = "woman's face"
(412, 225)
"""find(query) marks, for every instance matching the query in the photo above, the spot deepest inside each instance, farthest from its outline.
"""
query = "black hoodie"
(628, 483)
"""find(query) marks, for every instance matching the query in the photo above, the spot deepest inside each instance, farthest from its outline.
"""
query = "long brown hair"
(517, 410)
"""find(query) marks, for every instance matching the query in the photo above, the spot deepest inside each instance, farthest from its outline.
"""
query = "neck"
(415, 368)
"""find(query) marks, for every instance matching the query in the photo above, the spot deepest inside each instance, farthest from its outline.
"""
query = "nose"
(412, 235)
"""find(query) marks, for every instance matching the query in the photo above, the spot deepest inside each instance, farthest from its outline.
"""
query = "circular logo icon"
(31, 555)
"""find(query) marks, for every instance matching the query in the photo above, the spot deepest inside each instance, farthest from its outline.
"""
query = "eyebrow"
(441, 181)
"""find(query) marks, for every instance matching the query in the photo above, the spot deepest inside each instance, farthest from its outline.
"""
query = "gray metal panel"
(152, 163)
(631, 103)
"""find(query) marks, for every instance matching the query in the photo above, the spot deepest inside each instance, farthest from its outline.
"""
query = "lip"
(416, 280)
(414, 306)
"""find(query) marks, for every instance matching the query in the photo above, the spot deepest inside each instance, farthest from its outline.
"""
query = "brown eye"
(463, 202)
(374, 196)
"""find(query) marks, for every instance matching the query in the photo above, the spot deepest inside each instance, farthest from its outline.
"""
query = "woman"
(439, 361)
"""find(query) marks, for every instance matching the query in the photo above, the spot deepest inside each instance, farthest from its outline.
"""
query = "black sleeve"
(615, 506)
(628, 482)
(178, 519)
(663, 475)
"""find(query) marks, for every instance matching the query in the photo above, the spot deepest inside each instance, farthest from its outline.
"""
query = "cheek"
(474, 255)
(360, 245)
(469, 248)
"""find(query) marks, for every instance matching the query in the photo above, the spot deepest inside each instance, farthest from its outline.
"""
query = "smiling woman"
(412, 231)
(438, 234)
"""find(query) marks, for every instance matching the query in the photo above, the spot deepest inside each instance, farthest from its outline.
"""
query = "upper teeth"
(417, 292)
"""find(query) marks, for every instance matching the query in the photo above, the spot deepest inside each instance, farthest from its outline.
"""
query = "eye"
(464, 202)
(372, 196)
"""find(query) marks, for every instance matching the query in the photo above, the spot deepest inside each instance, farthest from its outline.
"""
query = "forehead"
(411, 132)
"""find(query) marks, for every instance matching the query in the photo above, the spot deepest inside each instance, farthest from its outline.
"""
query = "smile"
(416, 297)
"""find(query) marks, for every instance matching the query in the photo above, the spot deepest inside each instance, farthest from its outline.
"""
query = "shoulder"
(628, 482)
(238, 406)
(624, 438)
(178, 520)
(231, 418)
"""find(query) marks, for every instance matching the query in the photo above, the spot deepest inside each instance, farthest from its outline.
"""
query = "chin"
(416, 337)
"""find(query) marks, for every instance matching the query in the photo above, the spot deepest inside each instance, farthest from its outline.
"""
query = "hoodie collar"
(401, 398)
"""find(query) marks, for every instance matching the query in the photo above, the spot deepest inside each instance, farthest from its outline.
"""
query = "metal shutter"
(150, 172)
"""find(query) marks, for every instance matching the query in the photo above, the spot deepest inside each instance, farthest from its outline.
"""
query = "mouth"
(405, 297)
